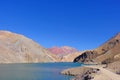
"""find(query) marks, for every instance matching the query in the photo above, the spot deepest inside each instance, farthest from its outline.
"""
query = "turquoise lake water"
(36, 71)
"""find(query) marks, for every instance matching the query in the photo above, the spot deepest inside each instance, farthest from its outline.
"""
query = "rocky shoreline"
(81, 73)
(91, 72)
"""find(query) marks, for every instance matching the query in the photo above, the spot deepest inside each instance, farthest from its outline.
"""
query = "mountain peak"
(2, 32)
(62, 50)
(67, 47)
(16, 48)
(117, 36)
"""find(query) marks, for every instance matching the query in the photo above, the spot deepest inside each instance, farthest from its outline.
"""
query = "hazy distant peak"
(62, 50)
(67, 47)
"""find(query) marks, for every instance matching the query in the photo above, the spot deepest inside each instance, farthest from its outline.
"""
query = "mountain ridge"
(15, 48)
(62, 51)
(105, 53)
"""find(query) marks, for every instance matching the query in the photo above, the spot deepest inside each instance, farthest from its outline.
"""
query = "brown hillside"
(15, 48)
(106, 53)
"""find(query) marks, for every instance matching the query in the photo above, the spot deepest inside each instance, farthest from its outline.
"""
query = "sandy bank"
(94, 72)
(105, 74)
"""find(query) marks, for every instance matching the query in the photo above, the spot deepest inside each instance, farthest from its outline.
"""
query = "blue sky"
(83, 24)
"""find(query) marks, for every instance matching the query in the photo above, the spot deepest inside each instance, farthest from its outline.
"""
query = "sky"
(82, 24)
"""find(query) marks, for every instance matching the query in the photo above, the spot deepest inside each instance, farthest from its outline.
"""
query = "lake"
(35, 71)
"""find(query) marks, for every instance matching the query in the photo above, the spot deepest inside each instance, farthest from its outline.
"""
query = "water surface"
(36, 71)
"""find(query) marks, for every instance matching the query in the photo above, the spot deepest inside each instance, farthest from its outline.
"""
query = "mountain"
(15, 48)
(106, 53)
(71, 57)
(61, 51)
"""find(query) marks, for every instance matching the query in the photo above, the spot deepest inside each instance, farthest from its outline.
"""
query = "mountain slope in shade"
(15, 48)
(71, 57)
(61, 51)
(106, 53)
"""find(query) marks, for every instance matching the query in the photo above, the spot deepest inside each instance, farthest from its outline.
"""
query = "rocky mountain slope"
(70, 57)
(107, 56)
(61, 51)
(106, 53)
(15, 48)
(65, 53)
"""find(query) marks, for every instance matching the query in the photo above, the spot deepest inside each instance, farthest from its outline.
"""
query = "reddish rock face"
(62, 50)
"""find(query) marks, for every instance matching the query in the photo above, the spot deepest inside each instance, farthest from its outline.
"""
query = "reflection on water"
(38, 71)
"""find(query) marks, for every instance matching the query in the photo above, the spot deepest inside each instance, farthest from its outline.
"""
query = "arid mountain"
(106, 53)
(109, 51)
(15, 48)
(61, 51)
(71, 57)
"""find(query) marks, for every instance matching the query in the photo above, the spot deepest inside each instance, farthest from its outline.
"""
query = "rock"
(86, 56)
(81, 73)
(75, 71)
